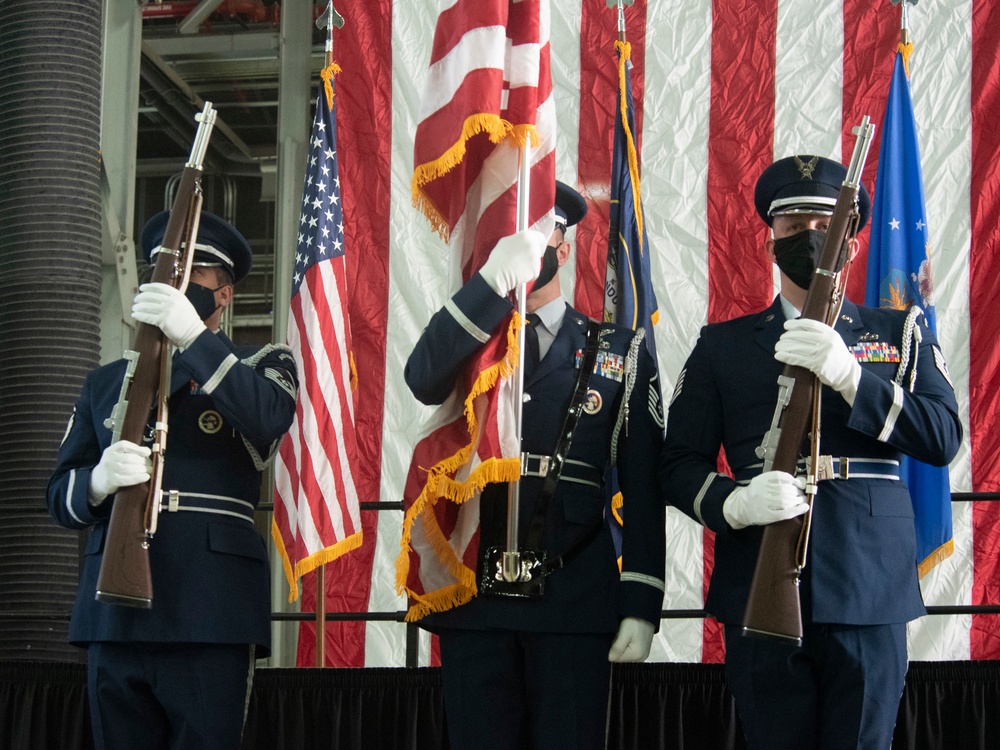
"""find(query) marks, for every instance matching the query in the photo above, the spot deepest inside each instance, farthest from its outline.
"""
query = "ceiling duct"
(50, 285)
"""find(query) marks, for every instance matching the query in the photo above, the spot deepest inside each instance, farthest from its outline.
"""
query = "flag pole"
(329, 19)
(621, 16)
(511, 567)
(321, 615)
(904, 22)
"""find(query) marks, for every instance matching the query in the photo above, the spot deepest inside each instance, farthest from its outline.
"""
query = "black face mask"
(550, 265)
(202, 299)
(798, 255)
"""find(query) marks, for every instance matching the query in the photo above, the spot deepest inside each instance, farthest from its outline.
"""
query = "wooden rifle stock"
(773, 608)
(125, 577)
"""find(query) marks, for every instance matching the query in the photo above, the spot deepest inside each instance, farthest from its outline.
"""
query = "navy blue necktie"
(531, 353)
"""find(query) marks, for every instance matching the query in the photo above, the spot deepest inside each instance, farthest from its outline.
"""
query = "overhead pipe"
(195, 14)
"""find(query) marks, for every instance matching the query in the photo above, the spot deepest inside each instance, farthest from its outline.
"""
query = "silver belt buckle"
(543, 465)
(824, 469)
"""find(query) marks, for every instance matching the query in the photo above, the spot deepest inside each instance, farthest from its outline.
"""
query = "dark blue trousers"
(839, 691)
(168, 696)
(510, 690)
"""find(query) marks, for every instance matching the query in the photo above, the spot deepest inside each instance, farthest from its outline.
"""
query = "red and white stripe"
(487, 96)
(489, 68)
(315, 484)
(721, 89)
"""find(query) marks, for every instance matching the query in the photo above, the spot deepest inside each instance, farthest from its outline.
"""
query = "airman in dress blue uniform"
(535, 672)
(178, 675)
(886, 392)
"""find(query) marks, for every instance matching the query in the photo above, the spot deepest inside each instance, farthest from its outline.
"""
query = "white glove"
(819, 348)
(515, 260)
(771, 496)
(122, 464)
(632, 643)
(169, 310)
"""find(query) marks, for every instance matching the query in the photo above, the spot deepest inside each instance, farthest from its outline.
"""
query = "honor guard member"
(178, 675)
(534, 672)
(885, 393)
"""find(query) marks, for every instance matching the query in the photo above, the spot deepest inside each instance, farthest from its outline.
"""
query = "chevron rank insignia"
(942, 365)
(678, 387)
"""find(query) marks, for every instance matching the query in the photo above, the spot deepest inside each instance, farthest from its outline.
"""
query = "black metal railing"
(411, 636)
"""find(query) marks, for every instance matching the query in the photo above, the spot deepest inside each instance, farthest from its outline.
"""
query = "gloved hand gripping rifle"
(773, 608)
(124, 576)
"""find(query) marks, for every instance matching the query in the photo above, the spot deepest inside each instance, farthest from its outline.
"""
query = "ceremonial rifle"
(773, 608)
(125, 576)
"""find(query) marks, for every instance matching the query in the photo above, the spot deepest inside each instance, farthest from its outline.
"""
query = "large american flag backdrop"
(721, 88)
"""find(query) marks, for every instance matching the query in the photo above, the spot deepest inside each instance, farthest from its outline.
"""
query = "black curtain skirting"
(945, 706)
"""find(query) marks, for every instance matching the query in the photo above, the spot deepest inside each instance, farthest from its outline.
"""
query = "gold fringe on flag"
(309, 564)
(440, 485)
(617, 501)
(496, 128)
(941, 554)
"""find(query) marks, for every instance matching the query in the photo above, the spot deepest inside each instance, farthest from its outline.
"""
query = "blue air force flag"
(899, 276)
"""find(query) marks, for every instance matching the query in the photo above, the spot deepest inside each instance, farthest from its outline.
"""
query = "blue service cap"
(570, 206)
(218, 243)
(804, 184)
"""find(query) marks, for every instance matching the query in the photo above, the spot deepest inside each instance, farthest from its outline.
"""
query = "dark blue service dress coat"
(588, 595)
(229, 407)
(861, 568)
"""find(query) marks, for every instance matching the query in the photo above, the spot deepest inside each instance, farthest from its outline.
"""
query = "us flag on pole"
(316, 512)
(488, 95)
